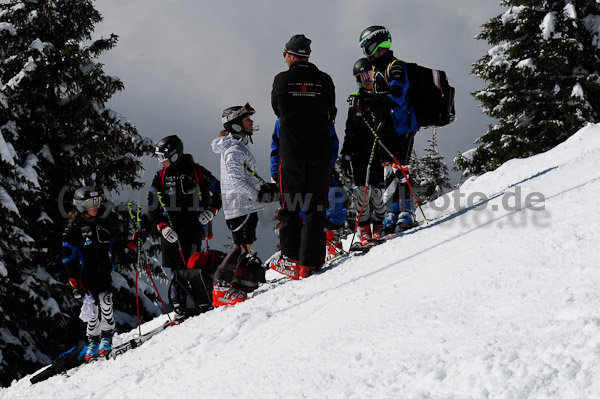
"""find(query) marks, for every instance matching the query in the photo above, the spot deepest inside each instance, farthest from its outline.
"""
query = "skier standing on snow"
(394, 122)
(90, 237)
(356, 153)
(243, 196)
(183, 200)
(303, 97)
(335, 216)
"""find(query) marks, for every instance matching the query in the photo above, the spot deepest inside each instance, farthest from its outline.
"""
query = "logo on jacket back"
(304, 89)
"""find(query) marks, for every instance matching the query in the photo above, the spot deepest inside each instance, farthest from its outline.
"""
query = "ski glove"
(167, 232)
(355, 101)
(207, 215)
(137, 240)
(268, 193)
(347, 166)
(78, 288)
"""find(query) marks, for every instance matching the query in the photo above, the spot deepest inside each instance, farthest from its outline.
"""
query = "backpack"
(429, 94)
(190, 290)
(249, 272)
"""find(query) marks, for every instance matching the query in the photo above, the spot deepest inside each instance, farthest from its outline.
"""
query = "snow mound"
(497, 296)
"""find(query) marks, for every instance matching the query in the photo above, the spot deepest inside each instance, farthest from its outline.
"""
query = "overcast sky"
(184, 61)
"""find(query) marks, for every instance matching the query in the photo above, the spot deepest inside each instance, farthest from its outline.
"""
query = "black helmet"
(232, 118)
(86, 198)
(373, 38)
(169, 149)
(361, 70)
(362, 65)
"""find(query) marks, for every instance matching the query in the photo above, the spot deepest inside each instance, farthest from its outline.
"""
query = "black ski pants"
(304, 187)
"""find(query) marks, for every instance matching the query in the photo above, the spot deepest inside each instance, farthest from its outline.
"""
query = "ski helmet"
(232, 118)
(362, 71)
(169, 149)
(86, 198)
(374, 38)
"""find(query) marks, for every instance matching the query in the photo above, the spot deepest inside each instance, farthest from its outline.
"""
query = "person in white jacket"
(243, 196)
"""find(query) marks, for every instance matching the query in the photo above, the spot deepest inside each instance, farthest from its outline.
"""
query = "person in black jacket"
(183, 200)
(356, 155)
(92, 234)
(303, 97)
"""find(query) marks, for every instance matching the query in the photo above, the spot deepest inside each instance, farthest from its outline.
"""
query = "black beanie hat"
(298, 45)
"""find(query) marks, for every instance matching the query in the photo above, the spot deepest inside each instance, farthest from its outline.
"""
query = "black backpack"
(190, 291)
(430, 95)
(249, 272)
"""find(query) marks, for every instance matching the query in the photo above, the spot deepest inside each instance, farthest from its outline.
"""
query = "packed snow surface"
(498, 296)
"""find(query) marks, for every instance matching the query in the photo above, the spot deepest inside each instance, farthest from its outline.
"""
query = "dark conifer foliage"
(55, 135)
(543, 79)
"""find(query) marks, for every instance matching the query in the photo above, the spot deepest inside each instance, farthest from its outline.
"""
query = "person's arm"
(275, 152)
(213, 185)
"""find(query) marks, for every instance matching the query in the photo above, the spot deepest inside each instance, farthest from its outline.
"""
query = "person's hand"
(347, 166)
(78, 288)
(137, 240)
(355, 101)
(268, 193)
(207, 215)
(167, 232)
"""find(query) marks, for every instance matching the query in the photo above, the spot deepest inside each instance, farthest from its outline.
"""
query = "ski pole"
(253, 173)
(138, 223)
(400, 165)
(162, 204)
(362, 207)
(137, 269)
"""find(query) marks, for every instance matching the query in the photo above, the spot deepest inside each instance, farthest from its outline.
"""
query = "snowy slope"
(485, 301)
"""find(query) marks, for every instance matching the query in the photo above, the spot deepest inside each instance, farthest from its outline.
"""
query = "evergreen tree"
(416, 173)
(544, 81)
(55, 135)
(435, 177)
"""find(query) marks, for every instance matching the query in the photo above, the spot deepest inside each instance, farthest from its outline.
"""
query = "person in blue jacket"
(394, 122)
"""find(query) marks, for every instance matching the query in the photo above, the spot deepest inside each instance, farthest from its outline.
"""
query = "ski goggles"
(162, 156)
(91, 202)
(245, 110)
(375, 40)
(364, 77)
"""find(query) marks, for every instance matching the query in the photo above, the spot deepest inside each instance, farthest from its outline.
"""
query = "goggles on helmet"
(91, 202)
(246, 109)
(370, 44)
(364, 77)
(162, 156)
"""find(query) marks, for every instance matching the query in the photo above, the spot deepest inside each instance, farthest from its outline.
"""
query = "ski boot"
(105, 345)
(225, 294)
(407, 218)
(377, 231)
(389, 223)
(91, 353)
(286, 266)
(334, 244)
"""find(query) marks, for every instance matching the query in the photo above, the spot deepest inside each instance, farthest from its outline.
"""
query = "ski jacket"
(358, 144)
(239, 188)
(304, 98)
(87, 247)
(275, 159)
(393, 114)
(186, 189)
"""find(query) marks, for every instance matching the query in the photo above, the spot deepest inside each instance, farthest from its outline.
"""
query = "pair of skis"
(140, 339)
